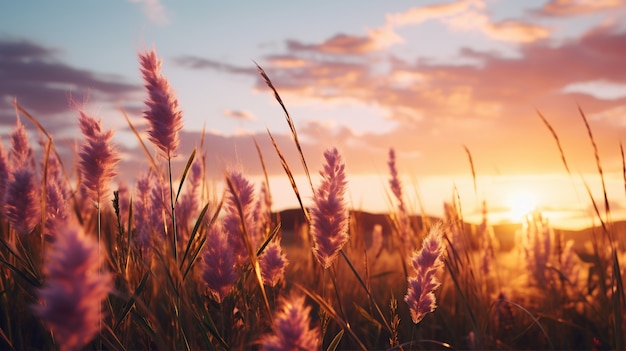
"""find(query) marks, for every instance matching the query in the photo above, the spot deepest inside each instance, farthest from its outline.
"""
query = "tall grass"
(185, 267)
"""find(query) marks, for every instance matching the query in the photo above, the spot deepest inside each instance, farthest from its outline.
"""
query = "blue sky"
(423, 77)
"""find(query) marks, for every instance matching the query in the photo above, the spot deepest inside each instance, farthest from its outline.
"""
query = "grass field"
(87, 262)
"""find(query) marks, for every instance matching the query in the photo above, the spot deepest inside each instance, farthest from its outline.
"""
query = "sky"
(436, 81)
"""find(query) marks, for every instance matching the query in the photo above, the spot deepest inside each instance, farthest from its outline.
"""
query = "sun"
(520, 204)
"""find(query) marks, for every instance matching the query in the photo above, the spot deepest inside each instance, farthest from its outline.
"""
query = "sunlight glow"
(520, 204)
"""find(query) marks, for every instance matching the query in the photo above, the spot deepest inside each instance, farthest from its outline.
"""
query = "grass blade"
(131, 302)
(185, 171)
(331, 311)
(335, 342)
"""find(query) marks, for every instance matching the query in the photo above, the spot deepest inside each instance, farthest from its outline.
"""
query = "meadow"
(169, 263)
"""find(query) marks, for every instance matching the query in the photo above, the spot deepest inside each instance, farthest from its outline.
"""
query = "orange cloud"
(515, 31)
(421, 14)
(575, 7)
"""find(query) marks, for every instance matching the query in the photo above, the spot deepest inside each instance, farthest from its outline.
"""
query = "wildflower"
(142, 209)
(21, 154)
(97, 158)
(403, 222)
(273, 263)
(240, 194)
(219, 264)
(21, 205)
(74, 289)
(426, 262)
(329, 215)
(163, 115)
(292, 328)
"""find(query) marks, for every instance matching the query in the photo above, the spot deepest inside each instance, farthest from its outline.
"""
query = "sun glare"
(520, 204)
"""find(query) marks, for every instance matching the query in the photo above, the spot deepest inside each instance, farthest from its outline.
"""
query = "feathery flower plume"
(21, 154)
(97, 158)
(163, 114)
(426, 262)
(159, 192)
(242, 193)
(142, 209)
(219, 264)
(74, 289)
(292, 328)
(329, 215)
(404, 223)
(22, 206)
(273, 262)
(57, 196)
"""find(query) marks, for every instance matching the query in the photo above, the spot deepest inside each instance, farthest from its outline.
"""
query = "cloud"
(154, 11)
(46, 86)
(578, 7)
(241, 115)
(417, 15)
(199, 63)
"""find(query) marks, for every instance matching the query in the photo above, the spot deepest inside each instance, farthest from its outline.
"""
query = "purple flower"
(142, 210)
(329, 215)
(97, 158)
(273, 263)
(292, 328)
(57, 198)
(22, 206)
(219, 264)
(163, 115)
(403, 221)
(241, 194)
(426, 262)
(21, 154)
(75, 287)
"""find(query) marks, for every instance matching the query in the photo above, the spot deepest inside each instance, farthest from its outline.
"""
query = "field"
(87, 262)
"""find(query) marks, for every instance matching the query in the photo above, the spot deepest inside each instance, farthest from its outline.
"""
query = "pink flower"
(97, 158)
(426, 262)
(241, 194)
(163, 115)
(21, 154)
(74, 289)
(219, 264)
(292, 328)
(273, 263)
(329, 215)
(22, 207)
(403, 222)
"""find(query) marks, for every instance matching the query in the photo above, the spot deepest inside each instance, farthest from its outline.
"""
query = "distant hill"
(293, 219)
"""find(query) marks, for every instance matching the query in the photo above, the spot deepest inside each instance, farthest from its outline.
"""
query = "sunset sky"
(424, 77)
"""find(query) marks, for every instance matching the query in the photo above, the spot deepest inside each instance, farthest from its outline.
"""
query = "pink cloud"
(516, 31)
